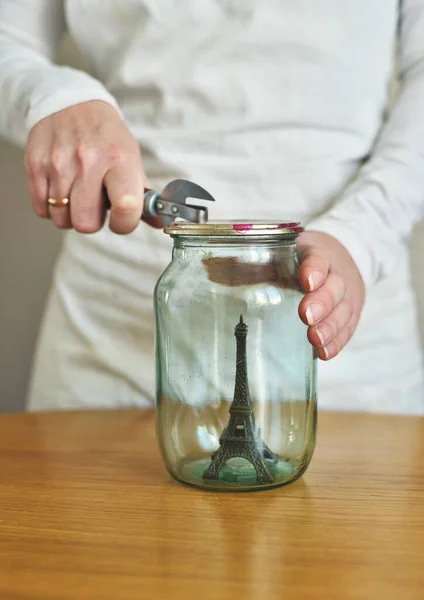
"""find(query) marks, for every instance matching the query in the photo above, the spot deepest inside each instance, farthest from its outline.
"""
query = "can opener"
(171, 203)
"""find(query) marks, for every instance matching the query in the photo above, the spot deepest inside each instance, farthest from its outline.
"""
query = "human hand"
(335, 292)
(73, 154)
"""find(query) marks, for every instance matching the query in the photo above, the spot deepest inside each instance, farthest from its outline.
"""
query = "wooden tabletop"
(87, 511)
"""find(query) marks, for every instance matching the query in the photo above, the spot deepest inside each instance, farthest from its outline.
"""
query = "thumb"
(314, 265)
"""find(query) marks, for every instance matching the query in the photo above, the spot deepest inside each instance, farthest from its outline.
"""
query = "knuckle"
(86, 228)
(329, 298)
(86, 225)
(38, 196)
(337, 320)
(307, 255)
(338, 286)
(121, 211)
(121, 229)
(335, 290)
(35, 163)
(87, 222)
(58, 160)
(329, 328)
(40, 209)
(61, 221)
(62, 225)
(87, 156)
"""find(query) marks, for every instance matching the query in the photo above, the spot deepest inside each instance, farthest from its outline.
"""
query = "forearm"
(32, 87)
(375, 216)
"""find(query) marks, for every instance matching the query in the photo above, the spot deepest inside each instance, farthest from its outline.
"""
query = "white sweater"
(278, 100)
(339, 52)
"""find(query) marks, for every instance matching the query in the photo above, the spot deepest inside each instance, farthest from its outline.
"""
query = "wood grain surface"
(87, 511)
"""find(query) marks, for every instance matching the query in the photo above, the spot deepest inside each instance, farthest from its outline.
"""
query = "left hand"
(335, 292)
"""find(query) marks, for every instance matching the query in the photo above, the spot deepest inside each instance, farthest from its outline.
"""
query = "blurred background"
(28, 246)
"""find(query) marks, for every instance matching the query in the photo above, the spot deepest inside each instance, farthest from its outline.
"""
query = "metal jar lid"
(235, 228)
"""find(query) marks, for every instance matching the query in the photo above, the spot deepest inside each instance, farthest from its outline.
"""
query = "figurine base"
(237, 474)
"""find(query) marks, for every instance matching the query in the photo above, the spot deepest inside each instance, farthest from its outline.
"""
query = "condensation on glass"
(236, 383)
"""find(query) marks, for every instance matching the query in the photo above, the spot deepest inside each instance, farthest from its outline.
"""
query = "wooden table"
(87, 511)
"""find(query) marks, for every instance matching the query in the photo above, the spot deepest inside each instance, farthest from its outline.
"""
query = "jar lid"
(235, 228)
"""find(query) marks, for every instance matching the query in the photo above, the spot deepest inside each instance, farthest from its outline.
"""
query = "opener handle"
(149, 206)
(155, 206)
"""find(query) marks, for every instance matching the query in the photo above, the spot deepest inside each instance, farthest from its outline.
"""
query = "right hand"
(73, 154)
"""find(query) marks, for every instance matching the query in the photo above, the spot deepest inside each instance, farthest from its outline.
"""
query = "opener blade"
(172, 202)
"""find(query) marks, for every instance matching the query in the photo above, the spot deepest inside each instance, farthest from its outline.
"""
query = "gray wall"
(28, 246)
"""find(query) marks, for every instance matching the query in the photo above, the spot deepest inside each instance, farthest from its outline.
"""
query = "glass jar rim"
(282, 229)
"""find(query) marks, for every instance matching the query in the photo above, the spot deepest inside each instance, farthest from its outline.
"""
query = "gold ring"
(59, 203)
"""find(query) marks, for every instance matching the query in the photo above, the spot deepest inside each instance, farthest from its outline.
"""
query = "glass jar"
(236, 382)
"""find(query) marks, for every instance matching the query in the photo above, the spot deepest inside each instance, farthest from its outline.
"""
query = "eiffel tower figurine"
(241, 438)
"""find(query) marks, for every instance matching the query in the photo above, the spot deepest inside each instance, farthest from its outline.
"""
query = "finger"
(87, 207)
(60, 215)
(62, 173)
(317, 305)
(333, 348)
(125, 188)
(38, 188)
(327, 329)
(314, 266)
(37, 182)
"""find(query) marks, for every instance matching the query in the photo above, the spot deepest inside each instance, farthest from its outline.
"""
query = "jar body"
(236, 383)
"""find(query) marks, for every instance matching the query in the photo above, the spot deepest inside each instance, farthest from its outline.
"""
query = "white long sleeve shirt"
(229, 64)
(278, 107)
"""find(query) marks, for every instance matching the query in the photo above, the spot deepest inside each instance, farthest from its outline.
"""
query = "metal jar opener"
(171, 204)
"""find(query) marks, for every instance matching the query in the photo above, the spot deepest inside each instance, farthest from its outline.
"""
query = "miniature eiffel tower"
(241, 438)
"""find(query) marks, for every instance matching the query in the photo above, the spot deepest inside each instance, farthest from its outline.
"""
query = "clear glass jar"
(236, 376)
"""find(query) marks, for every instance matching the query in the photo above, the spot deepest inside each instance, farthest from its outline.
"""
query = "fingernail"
(314, 313)
(330, 350)
(314, 279)
(320, 335)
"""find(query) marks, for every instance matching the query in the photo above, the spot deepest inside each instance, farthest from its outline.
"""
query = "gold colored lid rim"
(235, 228)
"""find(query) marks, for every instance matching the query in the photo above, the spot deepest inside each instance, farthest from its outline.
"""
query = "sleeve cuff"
(66, 88)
